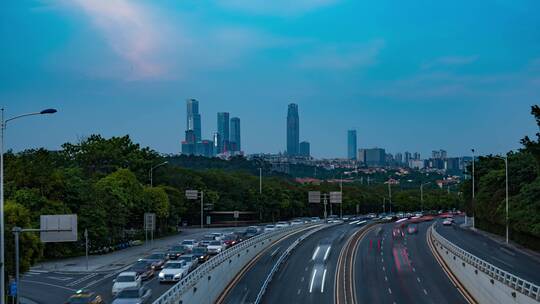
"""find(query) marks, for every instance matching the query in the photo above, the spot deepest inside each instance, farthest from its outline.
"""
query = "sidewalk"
(122, 258)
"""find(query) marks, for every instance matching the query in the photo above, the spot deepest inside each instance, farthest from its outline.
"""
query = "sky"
(407, 75)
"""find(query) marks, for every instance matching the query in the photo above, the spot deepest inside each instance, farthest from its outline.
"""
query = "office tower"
(235, 134)
(399, 158)
(440, 154)
(216, 140)
(351, 144)
(304, 149)
(416, 156)
(188, 145)
(375, 157)
(408, 158)
(293, 130)
(452, 165)
(223, 130)
(193, 121)
(204, 148)
(361, 156)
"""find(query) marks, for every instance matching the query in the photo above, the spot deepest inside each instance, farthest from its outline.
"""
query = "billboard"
(58, 228)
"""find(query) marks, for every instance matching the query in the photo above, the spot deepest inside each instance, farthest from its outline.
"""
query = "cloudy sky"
(408, 75)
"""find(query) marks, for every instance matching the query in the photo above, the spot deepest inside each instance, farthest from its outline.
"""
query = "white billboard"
(58, 228)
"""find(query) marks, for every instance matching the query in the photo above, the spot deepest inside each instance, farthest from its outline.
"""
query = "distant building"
(440, 154)
(223, 130)
(351, 144)
(437, 163)
(204, 148)
(188, 145)
(398, 158)
(375, 157)
(416, 156)
(452, 164)
(304, 149)
(216, 140)
(193, 121)
(235, 135)
(293, 130)
(416, 164)
(407, 158)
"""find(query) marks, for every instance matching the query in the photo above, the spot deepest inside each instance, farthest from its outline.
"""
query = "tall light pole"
(3, 124)
(472, 201)
(505, 158)
(390, 196)
(151, 172)
(422, 196)
(260, 180)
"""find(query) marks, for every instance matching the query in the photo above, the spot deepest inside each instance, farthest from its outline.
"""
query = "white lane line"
(413, 269)
(306, 269)
(326, 253)
(315, 253)
(275, 251)
(38, 271)
(389, 291)
(418, 279)
(298, 292)
(386, 278)
(384, 268)
(43, 283)
(425, 292)
(312, 279)
(322, 282)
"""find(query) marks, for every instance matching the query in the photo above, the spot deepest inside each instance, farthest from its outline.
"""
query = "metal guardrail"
(202, 271)
(281, 259)
(517, 284)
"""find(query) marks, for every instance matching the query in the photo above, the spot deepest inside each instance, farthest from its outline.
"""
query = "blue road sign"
(13, 288)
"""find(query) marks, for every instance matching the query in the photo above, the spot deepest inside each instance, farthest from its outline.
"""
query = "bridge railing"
(514, 282)
(238, 252)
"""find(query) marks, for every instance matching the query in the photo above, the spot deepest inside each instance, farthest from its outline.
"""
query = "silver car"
(140, 295)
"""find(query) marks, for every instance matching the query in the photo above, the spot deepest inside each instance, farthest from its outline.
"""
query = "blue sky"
(408, 75)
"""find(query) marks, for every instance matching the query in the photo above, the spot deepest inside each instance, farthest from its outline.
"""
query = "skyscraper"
(304, 149)
(216, 140)
(293, 130)
(351, 144)
(193, 121)
(235, 134)
(223, 130)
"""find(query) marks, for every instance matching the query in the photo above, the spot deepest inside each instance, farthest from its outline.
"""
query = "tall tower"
(235, 134)
(223, 130)
(193, 121)
(293, 130)
(351, 144)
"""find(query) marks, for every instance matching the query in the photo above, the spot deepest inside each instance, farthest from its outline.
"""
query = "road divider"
(478, 280)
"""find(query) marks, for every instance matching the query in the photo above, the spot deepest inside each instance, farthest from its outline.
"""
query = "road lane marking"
(389, 290)
(418, 279)
(425, 291)
(275, 251)
(322, 282)
(386, 278)
(312, 279)
(298, 292)
(413, 269)
(384, 268)
(327, 252)
(302, 279)
(47, 284)
(315, 253)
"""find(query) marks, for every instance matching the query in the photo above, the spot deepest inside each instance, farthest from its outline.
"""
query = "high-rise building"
(399, 158)
(375, 157)
(440, 154)
(304, 149)
(193, 121)
(416, 156)
(204, 148)
(216, 140)
(407, 158)
(235, 134)
(188, 145)
(223, 130)
(293, 130)
(351, 144)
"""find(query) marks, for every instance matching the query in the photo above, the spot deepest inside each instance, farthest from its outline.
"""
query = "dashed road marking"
(389, 291)
(425, 292)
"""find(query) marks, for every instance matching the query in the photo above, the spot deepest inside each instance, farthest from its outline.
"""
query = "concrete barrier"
(485, 282)
(205, 284)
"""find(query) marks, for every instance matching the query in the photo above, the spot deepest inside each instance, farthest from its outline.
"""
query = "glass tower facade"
(293, 130)
(223, 130)
(351, 144)
(235, 134)
(193, 121)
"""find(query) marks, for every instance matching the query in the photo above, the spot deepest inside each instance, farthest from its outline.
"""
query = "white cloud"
(449, 61)
(343, 56)
(275, 7)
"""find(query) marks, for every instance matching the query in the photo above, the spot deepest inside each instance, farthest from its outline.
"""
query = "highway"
(400, 269)
(504, 257)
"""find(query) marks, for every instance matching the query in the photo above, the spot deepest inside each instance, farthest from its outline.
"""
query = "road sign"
(192, 194)
(314, 197)
(236, 214)
(13, 288)
(58, 228)
(150, 221)
(335, 197)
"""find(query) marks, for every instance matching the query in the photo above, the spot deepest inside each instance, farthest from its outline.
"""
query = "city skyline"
(412, 90)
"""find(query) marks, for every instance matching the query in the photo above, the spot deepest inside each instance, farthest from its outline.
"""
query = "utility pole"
(390, 196)
(260, 180)
(473, 189)
(86, 243)
(341, 190)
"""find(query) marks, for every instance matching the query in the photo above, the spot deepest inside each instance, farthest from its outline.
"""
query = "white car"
(215, 247)
(173, 271)
(282, 224)
(269, 228)
(128, 279)
(191, 261)
(447, 222)
(189, 244)
(218, 236)
(296, 222)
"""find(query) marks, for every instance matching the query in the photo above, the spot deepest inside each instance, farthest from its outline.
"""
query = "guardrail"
(189, 282)
(514, 282)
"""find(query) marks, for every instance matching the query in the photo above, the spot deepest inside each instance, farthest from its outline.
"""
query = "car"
(397, 232)
(282, 225)
(412, 228)
(84, 296)
(251, 231)
(201, 253)
(175, 251)
(140, 295)
(189, 244)
(447, 222)
(315, 219)
(127, 279)
(191, 260)
(230, 240)
(207, 239)
(218, 236)
(156, 259)
(143, 269)
(215, 247)
(269, 228)
(173, 271)
(296, 222)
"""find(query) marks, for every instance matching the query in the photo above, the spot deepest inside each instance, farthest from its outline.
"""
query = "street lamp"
(472, 201)
(422, 195)
(152, 171)
(3, 124)
(505, 158)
